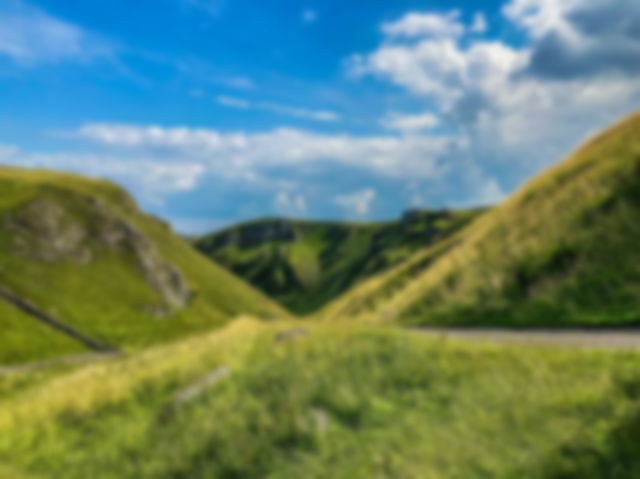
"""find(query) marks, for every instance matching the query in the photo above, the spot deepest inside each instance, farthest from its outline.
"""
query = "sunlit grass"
(562, 251)
(329, 401)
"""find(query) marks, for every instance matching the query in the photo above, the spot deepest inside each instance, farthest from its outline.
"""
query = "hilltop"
(562, 251)
(81, 267)
(306, 264)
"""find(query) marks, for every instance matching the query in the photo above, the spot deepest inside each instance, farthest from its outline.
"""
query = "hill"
(262, 400)
(82, 268)
(562, 251)
(306, 264)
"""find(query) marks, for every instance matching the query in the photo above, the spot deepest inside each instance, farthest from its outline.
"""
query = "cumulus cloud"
(410, 123)
(357, 203)
(579, 38)
(242, 154)
(415, 24)
(30, 36)
(515, 106)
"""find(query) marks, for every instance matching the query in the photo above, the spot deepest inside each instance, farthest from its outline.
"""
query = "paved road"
(627, 339)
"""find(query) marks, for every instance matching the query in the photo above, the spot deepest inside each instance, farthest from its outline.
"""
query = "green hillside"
(562, 251)
(263, 400)
(79, 251)
(306, 264)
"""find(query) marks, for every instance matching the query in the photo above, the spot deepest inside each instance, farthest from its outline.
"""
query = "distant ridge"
(305, 264)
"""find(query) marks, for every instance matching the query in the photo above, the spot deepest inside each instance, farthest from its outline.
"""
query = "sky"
(212, 112)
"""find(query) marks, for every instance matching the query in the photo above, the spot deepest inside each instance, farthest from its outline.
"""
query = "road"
(623, 339)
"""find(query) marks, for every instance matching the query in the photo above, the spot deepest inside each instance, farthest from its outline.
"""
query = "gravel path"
(625, 339)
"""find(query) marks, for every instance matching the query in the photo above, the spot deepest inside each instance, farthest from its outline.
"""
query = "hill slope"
(306, 264)
(79, 252)
(256, 400)
(562, 251)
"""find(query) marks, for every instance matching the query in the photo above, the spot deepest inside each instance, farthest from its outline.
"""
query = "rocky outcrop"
(256, 234)
(52, 229)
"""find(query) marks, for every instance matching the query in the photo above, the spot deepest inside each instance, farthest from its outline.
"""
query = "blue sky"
(217, 111)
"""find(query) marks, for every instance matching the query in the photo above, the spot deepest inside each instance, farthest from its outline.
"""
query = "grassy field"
(562, 251)
(329, 401)
(304, 265)
(80, 250)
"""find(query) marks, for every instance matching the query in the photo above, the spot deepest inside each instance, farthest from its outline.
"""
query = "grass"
(560, 252)
(311, 263)
(24, 339)
(338, 401)
(107, 297)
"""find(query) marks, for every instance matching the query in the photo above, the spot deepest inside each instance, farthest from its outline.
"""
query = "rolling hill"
(562, 251)
(306, 264)
(82, 268)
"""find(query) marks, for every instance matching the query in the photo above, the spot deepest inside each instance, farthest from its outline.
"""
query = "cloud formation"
(358, 203)
(278, 108)
(242, 154)
(578, 38)
(516, 106)
(29, 36)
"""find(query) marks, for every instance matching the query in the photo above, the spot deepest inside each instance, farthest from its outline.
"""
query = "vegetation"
(562, 251)
(306, 264)
(79, 250)
(316, 399)
(330, 401)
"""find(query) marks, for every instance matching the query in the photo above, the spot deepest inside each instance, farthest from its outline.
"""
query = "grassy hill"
(306, 264)
(262, 400)
(79, 252)
(562, 251)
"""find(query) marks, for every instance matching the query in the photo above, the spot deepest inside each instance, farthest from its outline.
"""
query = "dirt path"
(61, 361)
(623, 339)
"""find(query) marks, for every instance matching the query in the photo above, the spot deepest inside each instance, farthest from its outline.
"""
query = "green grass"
(23, 339)
(562, 251)
(341, 401)
(315, 262)
(107, 297)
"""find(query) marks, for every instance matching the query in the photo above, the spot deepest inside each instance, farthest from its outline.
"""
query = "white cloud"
(152, 179)
(317, 115)
(309, 16)
(410, 123)
(290, 203)
(415, 24)
(30, 36)
(241, 154)
(357, 203)
(515, 111)
(233, 102)
(279, 109)
(479, 24)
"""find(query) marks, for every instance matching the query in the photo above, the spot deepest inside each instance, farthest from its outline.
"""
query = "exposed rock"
(257, 234)
(43, 231)
(203, 385)
(49, 231)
